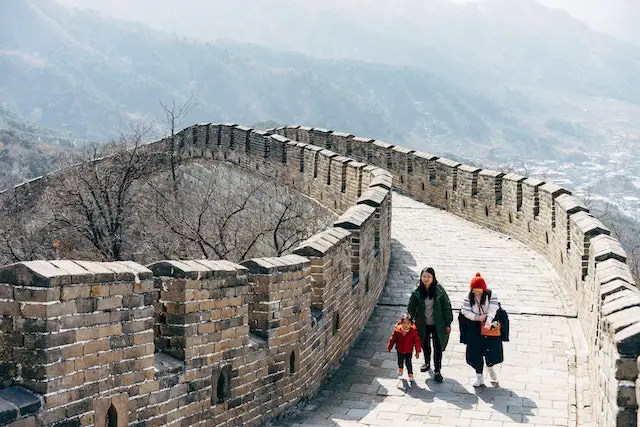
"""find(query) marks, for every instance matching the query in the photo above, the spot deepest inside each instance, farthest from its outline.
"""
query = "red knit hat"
(478, 282)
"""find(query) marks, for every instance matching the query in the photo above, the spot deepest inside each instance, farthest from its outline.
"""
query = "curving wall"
(553, 222)
(198, 342)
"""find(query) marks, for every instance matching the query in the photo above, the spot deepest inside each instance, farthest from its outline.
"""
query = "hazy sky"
(616, 17)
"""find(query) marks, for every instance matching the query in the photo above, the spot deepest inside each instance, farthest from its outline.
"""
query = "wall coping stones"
(102, 273)
(448, 162)
(511, 176)
(47, 274)
(322, 243)
(357, 164)
(402, 150)
(27, 183)
(611, 307)
(321, 130)
(623, 318)
(343, 134)
(571, 204)
(614, 286)
(280, 138)
(271, 265)
(362, 139)
(611, 269)
(224, 268)
(179, 269)
(305, 128)
(248, 129)
(125, 272)
(196, 269)
(605, 247)
(315, 247)
(469, 168)
(382, 144)
(328, 153)
(354, 217)
(78, 273)
(426, 156)
(491, 173)
(589, 225)
(17, 402)
(342, 159)
(297, 143)
(338, 232)
(374, 197)
(534, 182)
(620, 293)
(384, 181)
(554, 189)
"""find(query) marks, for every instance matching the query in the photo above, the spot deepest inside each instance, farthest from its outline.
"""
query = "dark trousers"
(484, 350)
(431, 337)
(405, 359)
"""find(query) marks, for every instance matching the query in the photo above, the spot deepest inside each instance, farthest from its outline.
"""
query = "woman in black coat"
(479, 309)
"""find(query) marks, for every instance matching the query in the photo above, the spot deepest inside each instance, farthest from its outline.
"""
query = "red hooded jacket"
(404, 341)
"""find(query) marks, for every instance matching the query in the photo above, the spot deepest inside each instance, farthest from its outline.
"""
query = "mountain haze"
(492, 83)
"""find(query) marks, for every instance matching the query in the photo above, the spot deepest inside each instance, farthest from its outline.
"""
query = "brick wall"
(204, 342)
(553, 222)
(82, 336)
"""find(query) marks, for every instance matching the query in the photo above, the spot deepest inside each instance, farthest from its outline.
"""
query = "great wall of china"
(215, 343)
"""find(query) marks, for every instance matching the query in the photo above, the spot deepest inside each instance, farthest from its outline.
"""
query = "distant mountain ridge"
(84, 73)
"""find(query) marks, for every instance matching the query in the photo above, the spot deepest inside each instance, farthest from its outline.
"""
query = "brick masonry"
(202, 342)
(342, 276)
(550, 220)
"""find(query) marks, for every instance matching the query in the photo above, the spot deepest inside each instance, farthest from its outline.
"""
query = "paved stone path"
(536, 380)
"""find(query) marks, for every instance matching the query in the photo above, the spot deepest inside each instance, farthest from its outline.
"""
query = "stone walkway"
(536, 380)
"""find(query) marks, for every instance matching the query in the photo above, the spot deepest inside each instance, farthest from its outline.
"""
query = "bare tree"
(96, 196)
(174, 115)
(121, 201)
(232, 215)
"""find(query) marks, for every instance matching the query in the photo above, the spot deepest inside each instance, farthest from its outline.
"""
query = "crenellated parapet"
(202, 342)
(555, 223)
(215, 343)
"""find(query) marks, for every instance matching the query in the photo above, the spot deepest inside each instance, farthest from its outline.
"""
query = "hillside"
(27, 150)
(84, 73)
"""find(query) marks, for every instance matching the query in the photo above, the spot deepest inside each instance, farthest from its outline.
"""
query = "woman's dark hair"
(472, 297)
(427, 293)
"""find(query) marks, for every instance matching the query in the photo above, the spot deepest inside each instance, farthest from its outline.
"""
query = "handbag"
(494, 331)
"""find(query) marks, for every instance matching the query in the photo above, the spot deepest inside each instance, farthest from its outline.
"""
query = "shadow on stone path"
(535, 379)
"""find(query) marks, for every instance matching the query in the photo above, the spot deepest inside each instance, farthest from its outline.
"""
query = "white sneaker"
(492, 374)
(479, 381)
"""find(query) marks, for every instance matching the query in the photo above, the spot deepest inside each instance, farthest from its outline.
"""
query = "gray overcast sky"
(617, 17)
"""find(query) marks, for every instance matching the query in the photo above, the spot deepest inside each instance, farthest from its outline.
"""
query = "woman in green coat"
(430, 308)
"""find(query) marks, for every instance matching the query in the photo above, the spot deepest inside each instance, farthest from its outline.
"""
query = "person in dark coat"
(479, 309)
(430, 308)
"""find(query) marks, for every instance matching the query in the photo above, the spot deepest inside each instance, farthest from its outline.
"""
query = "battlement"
(201, 342)
(549, 219)
(215, 343)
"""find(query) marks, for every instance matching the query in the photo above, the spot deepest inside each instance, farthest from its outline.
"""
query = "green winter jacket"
(442, 314)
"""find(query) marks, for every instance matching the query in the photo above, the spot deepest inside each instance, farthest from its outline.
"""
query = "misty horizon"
(616, 18)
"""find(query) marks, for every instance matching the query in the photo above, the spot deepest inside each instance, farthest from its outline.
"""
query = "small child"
(405, 337)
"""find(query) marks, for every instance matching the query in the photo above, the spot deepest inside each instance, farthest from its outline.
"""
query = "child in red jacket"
(405, 337)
